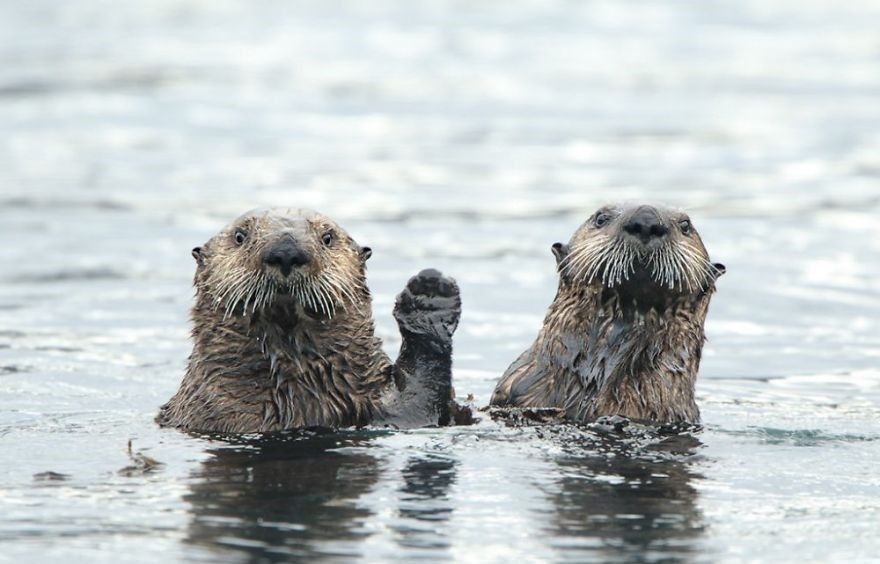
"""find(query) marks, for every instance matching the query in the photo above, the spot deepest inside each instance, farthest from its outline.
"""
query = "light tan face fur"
(233, 268)
(605, 250)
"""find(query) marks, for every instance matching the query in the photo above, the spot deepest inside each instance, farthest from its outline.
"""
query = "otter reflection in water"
(301, 495)
(621, 500)
(425, 504)
(279, 497)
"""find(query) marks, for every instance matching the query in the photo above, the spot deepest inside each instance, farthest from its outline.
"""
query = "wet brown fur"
(620, 344)
(272, 352)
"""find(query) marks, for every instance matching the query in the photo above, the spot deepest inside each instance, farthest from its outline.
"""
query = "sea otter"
(283, 335)
(624, 335)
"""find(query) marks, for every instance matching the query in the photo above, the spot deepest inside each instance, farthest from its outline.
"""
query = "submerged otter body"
(283, 336)
(624, 335)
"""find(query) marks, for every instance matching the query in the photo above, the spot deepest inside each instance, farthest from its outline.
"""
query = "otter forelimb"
(427, 312)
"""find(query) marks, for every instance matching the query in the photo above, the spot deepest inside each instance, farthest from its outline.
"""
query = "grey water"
(467, 136)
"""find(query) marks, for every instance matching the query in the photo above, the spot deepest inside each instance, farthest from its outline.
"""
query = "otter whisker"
(267, 294)
(594, 261)
(661, 267)
(675, 269)
(240, 292)
(298, 292)
(703, 270)
(311, 298)
(671, 269)
(247, 294)
(335, 295)
(610, 261)
(627, 265)
(353, 289)
(602, 262)
(698, 267)
(254, 297)
(341, 289)
(578, 252)
(587, 266)
(655, 264)
(259, 295)
(585, 259)
(618, 264)
(321, 292)
(232, 299)
(344, 293)
(265, 289)
(325, 300)
(237, 277)
(333, 299)
(684, 272)
(590, 259)
(662, 270)
(318, 299)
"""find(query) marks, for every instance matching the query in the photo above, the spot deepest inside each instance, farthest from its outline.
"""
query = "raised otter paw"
(429, 306)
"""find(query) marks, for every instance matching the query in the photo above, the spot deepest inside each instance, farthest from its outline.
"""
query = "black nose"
(286, 256)
(646, 225)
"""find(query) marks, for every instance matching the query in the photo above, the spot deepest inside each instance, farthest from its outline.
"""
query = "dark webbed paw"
(429, 306)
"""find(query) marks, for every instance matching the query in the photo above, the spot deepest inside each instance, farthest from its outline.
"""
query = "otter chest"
(307, 387)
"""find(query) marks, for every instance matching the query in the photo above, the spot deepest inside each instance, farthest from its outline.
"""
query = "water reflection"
(619, 500)
(424, 502)
(287, 496)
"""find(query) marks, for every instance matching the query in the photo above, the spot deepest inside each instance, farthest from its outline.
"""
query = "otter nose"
(646, 225)
(286, 256)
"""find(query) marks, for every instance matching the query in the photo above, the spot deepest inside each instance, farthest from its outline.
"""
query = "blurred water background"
(468, 136)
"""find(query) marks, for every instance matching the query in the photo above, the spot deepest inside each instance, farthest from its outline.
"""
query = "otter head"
(281, 255)
(644, 253)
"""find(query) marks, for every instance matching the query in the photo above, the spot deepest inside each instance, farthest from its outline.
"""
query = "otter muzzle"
(285, 256)
(646, 225)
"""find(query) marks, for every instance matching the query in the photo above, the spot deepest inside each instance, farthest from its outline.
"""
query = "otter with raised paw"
(284, 338)
(624, 335)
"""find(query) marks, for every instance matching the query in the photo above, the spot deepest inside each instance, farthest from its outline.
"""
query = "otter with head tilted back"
(624, 334)
(284, 338)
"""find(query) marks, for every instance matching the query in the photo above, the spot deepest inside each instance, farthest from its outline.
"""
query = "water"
(468, 136)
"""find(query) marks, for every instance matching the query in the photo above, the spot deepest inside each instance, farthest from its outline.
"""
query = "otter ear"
(720, 269)
(560, 251)
(365, 253)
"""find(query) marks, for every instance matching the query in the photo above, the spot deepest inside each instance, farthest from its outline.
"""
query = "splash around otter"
(283, 336)
(624, 335)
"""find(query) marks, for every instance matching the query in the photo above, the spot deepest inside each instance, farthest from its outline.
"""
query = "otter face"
(642, 244)
(268, 255)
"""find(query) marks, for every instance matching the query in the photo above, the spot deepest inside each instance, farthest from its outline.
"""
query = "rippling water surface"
(468, 136)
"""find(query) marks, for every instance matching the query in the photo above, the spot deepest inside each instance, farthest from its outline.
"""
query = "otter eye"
(327, 238)
(240, 237)
(685, 226)
(602, 219)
